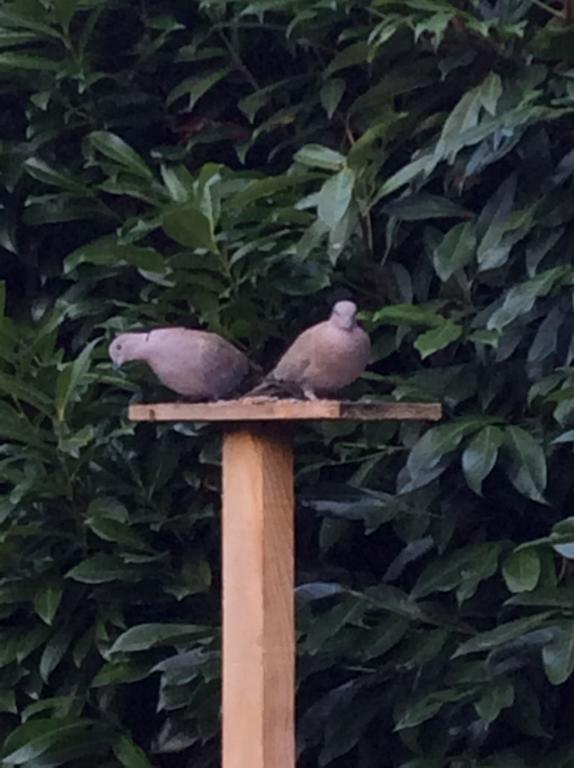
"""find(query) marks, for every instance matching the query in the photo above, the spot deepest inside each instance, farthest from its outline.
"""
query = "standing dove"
(324, 358)
(196, 364)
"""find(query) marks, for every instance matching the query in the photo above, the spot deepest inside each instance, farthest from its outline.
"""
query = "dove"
(196, 364)
(324, 358)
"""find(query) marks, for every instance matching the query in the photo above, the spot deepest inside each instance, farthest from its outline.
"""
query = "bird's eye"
(119, 346)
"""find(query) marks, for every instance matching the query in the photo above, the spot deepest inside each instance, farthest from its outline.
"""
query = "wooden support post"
(258, 621)
(258, 626)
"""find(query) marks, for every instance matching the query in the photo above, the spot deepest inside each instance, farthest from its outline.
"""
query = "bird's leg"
(309, 393)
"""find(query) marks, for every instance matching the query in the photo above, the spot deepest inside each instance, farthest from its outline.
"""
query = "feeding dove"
(324, 358)
(196, 364)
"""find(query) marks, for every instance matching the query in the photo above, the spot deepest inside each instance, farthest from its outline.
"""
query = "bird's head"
(126, 347)
(344, 315)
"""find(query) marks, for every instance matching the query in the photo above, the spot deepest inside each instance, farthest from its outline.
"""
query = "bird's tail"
(251, 379)
(270, 387)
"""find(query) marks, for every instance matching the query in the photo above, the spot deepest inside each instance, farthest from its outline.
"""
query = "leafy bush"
(240, 166)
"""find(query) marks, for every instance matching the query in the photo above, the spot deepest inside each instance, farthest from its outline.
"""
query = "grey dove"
(196, 364)
(324, 358)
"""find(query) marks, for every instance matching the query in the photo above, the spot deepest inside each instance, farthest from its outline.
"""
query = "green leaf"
(26, 61)
(494, 699)
(36, 737)
(407, 314)
(8, 701)
(564, 550)
(107, 506)
(486, 641)
(250, 105)
(43, 172)
(28, 642)
(463, 117)
(427, 706)
(47, 600)
(425, 461)
(70, 378)
(102, 568)
(330, 622)
(182, 668)
(72, 444)
(358, 53)
(489, 338)
(113, 530)
(553, 42)
(58, 706)
(129, 754)
(489, 92)
(479, 457)
(188, 226)
(194, 577)
(521, 298)
(436, 339)
(424, 206)
(11, 385)
(317, 156)
(421, 168)
(436, 26)
(335, 197)
(120, 672)
(269, 186)
(471, 564)
(384, 636)
(106, 252)
(558, 654)
(179, 182)
(317, 590)
(116, 149)
(15, 427)
(54, 652)
(527, 470)
(65, 10)
(345, 729)
(197, 86)
(521, 570)
(146, 636)
(455, 251)
(565, 437)
(10, 39)
(331, 94)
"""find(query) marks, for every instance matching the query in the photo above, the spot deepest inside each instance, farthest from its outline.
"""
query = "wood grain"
(258, 613)
(267, 409)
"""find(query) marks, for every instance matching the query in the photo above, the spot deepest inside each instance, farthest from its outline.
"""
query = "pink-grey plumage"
(325, 358)
(196, 364)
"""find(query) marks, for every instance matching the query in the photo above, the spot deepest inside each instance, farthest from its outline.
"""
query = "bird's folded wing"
(224, 366)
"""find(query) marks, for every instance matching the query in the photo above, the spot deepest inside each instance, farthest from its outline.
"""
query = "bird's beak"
(116, 366)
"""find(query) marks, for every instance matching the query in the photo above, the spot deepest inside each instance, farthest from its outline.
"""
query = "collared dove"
(196, 364)
(324, 358)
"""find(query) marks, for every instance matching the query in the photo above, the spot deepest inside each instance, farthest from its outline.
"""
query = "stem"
(553, 11)
(238, 61)
(364, 219)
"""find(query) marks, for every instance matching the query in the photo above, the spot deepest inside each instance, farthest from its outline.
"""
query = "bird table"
(258, 559)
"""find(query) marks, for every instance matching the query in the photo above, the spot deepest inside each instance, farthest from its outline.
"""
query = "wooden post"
(258, 620)
(258, 626)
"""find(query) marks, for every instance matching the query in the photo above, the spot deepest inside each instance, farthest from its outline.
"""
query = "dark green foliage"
(239, 166)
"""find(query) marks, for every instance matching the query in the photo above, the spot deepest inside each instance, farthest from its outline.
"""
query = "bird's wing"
(298, 357)
(225, 366)
(196, 363)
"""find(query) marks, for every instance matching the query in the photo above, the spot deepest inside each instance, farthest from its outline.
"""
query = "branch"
(238, 61)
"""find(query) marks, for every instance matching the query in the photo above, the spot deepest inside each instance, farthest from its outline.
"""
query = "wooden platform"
(273, 409)
(258, 559)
